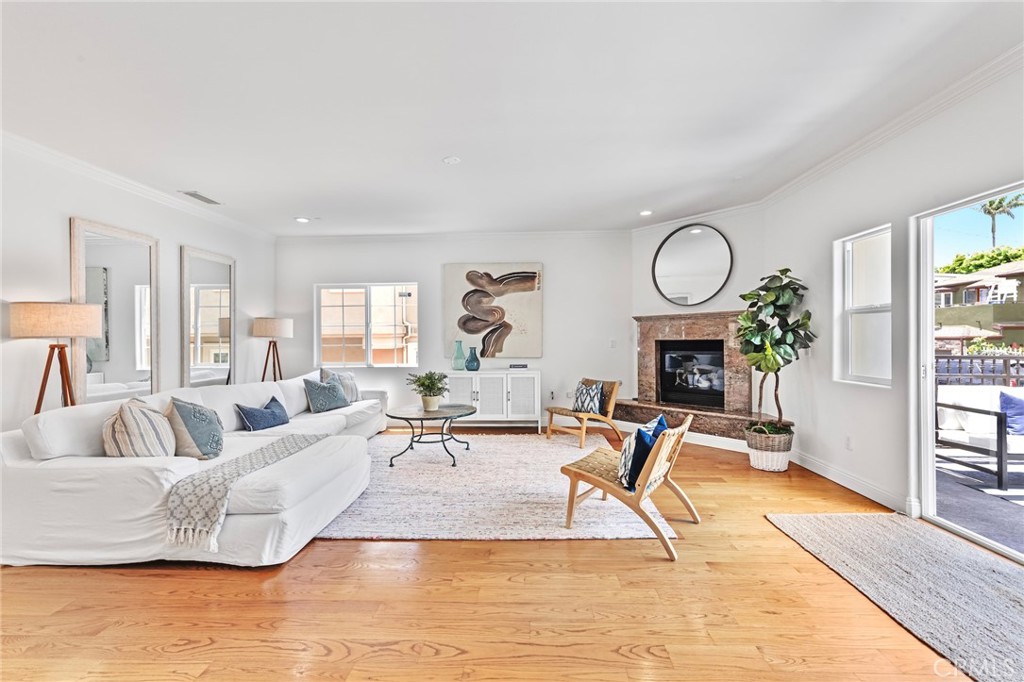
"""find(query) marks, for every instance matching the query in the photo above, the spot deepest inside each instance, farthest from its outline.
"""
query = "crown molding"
(21, 145)
(739, 209)
(1006, 64)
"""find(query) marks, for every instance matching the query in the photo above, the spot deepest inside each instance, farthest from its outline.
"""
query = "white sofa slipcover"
(65, 502)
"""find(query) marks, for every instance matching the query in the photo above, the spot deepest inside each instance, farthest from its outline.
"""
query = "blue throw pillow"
(325, 396)
(635, 450)
(259, 418)
(1014, 409)
(198, 431)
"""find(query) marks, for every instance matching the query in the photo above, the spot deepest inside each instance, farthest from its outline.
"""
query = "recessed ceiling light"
(302, 220)
(451, 160)
(646, 213)
(696, 230)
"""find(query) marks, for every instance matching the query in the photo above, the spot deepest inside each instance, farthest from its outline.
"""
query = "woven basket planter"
(768, 451)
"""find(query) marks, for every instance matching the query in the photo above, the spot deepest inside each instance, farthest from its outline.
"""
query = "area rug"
(506, 487)
(958, 599)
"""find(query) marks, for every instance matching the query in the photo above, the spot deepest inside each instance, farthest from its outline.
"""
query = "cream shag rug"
(958, 599)
(504, 488)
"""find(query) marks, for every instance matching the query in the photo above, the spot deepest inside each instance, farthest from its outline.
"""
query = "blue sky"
(968, 230)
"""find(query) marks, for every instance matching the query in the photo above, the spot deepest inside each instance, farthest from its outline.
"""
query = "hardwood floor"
(743, 603)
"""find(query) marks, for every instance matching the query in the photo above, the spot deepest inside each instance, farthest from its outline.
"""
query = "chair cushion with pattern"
(588, 398)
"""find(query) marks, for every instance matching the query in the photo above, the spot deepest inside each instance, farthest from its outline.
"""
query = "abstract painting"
(495, 307)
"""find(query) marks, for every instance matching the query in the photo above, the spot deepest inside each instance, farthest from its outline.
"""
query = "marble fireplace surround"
(722, 325)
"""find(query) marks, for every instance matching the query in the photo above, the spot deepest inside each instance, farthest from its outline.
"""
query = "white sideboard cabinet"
(498, 396)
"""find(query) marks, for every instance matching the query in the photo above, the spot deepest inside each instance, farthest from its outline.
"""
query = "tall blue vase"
(458, 357)
(472, 362)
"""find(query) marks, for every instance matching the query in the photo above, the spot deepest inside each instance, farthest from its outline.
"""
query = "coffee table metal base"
(443, 437)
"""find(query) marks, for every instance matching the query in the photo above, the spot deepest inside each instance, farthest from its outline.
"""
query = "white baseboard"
(914, 509)
(720, 442)
(851, 481)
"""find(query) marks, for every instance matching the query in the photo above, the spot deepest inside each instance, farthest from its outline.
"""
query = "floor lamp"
(36, 320)
(272, 328)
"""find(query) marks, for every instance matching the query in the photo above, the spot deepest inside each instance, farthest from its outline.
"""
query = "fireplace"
(691, 372)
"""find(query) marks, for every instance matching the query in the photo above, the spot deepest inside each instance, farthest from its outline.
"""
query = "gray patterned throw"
(197, 504)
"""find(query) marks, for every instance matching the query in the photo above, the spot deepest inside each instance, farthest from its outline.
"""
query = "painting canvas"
(496, 307)
(98, 350)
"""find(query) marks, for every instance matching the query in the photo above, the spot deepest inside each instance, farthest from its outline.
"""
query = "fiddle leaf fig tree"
(772, 332)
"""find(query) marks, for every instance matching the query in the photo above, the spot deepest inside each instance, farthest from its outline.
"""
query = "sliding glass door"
(971, 334)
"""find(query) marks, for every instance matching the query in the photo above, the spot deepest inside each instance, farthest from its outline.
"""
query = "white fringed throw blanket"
(197, 505)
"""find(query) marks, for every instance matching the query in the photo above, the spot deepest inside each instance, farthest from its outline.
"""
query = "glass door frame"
(921, 501)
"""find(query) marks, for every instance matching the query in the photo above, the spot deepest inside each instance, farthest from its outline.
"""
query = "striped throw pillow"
(138, 430)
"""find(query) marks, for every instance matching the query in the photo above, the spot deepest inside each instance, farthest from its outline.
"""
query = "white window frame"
(845, 311)
(945, 299)
(143, 320)
(197, 344)
(367, 324)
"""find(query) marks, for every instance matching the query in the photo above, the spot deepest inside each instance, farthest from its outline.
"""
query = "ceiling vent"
(199, 197)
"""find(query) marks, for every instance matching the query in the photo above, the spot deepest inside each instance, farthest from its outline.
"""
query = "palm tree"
(1001, 206)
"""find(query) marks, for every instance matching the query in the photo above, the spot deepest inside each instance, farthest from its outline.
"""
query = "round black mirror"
(692, 264)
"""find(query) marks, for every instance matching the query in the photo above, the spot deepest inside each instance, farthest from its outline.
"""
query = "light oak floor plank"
(743, 602)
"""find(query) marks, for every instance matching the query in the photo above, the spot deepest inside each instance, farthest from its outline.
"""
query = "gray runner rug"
(957, 598)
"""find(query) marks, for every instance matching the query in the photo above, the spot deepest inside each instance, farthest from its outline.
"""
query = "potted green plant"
(772, 332)
(430, 386)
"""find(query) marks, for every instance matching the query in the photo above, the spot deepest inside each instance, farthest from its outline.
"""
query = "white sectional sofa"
(65, 502)
(969, 417)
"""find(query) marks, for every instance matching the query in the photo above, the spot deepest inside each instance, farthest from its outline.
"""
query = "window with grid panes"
(367, 325)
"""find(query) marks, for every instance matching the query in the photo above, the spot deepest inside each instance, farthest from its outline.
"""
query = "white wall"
(586, 299)
(974, 146)
(41, 193)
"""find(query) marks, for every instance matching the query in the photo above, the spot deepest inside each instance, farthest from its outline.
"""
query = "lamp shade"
(40, 320)
(272, 327)
(224, 327)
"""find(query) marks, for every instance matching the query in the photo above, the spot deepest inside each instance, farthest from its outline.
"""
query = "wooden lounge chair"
(600, 469)
(609, 390)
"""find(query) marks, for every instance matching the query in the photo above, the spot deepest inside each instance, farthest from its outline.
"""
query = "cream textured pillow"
(137, 430)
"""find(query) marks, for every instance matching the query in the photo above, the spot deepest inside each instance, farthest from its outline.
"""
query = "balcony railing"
(993, 370)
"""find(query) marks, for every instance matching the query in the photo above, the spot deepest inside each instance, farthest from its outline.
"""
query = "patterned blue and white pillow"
(325, 396)
(347, 381)
(138, 430)
(259, 418)
(635, 450)
(198, 430)
(588, 398)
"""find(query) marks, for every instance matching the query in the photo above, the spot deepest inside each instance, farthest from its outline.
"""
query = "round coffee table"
(446, 414)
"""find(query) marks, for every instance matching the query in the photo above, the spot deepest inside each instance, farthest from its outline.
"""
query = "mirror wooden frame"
(654, 263)
(187, 254)
(79, 228)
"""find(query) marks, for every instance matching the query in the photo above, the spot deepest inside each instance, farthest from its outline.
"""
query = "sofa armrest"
(381, 396)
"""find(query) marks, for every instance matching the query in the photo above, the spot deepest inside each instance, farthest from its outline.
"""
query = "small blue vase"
(458, 357)
(472, 362)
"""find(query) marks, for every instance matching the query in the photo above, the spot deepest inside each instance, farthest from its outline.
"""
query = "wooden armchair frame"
(600, 470)
(605, 416)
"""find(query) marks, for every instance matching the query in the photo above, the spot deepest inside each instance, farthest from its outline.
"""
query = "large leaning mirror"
(116, 269)
(207, 317)
(692, 264)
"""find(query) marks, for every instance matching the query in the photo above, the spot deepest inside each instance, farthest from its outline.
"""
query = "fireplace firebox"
(691, 372)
